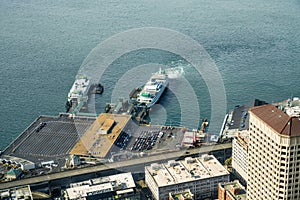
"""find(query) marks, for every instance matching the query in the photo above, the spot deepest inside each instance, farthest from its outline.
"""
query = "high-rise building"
(273, 155)
(239, 156)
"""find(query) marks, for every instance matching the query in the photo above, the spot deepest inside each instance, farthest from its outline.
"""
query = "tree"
(228, 161)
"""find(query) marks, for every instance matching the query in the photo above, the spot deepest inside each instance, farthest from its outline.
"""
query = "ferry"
(79, 89)
(78, 93)
(153, 89)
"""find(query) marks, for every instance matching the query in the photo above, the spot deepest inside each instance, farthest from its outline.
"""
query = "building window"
(292, 147)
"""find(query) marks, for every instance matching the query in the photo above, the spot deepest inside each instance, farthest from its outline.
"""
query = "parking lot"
(145, 141)
(148, 140)
(123, 141)
(171, 141)
(152, 139)
(48, 138)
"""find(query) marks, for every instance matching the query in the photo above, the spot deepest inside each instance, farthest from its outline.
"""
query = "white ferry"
(79, 89)
(78, 94)
(153, 89)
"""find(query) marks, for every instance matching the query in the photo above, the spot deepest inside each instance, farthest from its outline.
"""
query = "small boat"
(68, 105)
(99, 89)
(107, 108)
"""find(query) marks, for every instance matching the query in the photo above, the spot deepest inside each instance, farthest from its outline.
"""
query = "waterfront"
(135, 165)
(254, 44)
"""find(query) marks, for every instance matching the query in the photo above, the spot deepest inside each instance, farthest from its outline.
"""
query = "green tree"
(228, 161)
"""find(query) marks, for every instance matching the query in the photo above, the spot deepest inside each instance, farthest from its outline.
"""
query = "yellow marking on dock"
(95, 144)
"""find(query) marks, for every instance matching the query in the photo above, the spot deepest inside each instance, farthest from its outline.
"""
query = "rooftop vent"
(206, 157)
(155, 166)
(189, 160)
(172, 163)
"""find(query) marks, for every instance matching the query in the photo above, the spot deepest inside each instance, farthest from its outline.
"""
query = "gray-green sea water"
(255, 45)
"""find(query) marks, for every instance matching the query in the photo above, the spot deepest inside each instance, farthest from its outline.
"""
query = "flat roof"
(101, 185)
(98, 145)
(189, 137)
(241, 194)
(108, 123)
(53, 141)
(189, 134)
(188, 140)
(18, 193)
(190, 169)
(86, 190)
(181, 195)
(17, 160)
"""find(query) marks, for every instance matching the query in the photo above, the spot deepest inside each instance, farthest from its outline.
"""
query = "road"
(134, 165)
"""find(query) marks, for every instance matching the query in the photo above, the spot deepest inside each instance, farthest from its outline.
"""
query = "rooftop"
(54, 139)
(290, 106)
(235, 189)
(16, 160)
(189, 138)
(16, 193)
(278, 120)
(14, 172)
(187, 170)
(118, 182)
(98, 145)
(108, 123)
(183, 195)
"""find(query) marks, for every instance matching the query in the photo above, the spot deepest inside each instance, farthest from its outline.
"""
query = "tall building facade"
(240, 156)
(273, 155)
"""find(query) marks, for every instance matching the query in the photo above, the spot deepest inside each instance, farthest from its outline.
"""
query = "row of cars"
(146, 140)
(123, 141)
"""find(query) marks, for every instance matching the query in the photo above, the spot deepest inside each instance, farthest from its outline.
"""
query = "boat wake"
(177, 69)
(174, 72)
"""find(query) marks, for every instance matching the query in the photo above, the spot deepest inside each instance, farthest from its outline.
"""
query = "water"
(255, 44)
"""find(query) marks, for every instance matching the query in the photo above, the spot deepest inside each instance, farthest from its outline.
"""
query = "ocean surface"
(255, 45)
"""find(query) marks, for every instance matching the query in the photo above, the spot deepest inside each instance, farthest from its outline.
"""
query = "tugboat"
(99, 88)
(107, 108)
(68, 105)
